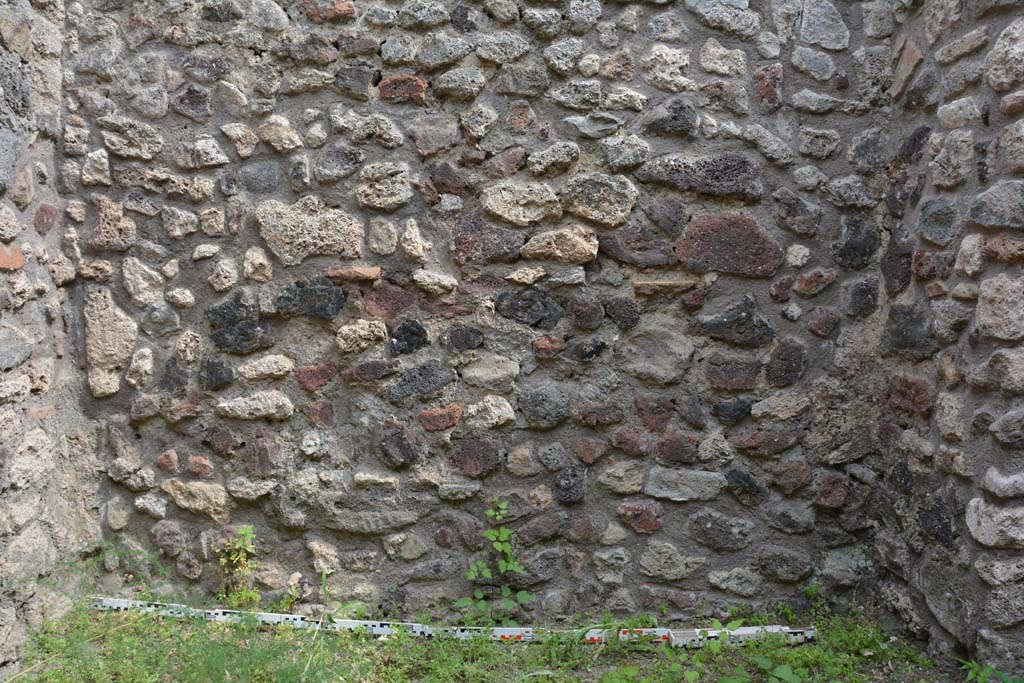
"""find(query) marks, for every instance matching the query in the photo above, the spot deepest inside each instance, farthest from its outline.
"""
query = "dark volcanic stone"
(355, 81)
(796, 214)
(732, 411)
(397, 447)
(675, 116)
(741, 324)
(638, 246)
(544, 407)
(372, 371)
(783, 565)
(475, 457)
(896, 266)
(727, 373)
(215, 373)
(422, 380)
(337, 160)
(533, 307)
(193, 102)
(408, 337)
(909, 332)
(260, 177)
(235, 326)
(729, 243)
(318, 298)
(746, 488)
(586, 349)
(939, 222)
(668, 213)
(586, 314)
(474, 240)
(858, 241)
(822, 321)
(860, 297)
(458, 338)
(623, 311)
(787, 363)
(169, 537)
(570, 484)
(719, 532)
(723, 175)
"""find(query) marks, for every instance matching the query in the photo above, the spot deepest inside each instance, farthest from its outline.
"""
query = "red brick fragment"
(313, 378)
(439, 419)
(11, 258)
(403, 88)
(168, 461)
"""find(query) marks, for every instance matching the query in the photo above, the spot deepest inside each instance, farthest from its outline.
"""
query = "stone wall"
(723, 298)
(50, 470)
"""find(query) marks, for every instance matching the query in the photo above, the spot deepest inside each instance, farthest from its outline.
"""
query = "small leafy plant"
(237, 564)
(502, 607)
(986, 674)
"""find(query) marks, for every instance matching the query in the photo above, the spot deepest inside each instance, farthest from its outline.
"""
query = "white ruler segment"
(689, 638)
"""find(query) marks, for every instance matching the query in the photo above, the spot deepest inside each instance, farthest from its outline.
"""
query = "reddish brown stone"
(732, 374)
(182, 411)
(815, 282)
(676, 448)
(45, 218)
(199, 466)
(520, 115)
(642, 516)
(590, 449)
(599, 414)
(822, 321)
(632, 441)
(439, 419)
(388, 301)
(319, 413)
(768, 87)
(654, 411)
(548, 347)
(403, 88)
(313, 378)
(832, 491)
(729, 243)
(221, 440)
(694, 299)
(475, 457)
(261, 454)
(780, 289)
(911, 395)
(791, 475)
(168, 461)
(504, 163)
(766, 443)
(11, 258)
(320, 11)
(354, 273)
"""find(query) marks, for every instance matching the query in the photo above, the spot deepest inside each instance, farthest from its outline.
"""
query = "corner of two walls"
(50, 470)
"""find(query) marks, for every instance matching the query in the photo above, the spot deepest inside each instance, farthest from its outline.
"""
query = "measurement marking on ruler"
(689, 638)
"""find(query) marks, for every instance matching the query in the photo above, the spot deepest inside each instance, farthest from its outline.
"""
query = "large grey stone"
(683, 485)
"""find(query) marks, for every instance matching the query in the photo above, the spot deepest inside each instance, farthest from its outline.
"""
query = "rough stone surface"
(715, 292)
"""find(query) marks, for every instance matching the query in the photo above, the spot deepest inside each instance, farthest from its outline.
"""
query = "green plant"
(237, 563)
(986, 674)
(503, 606)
